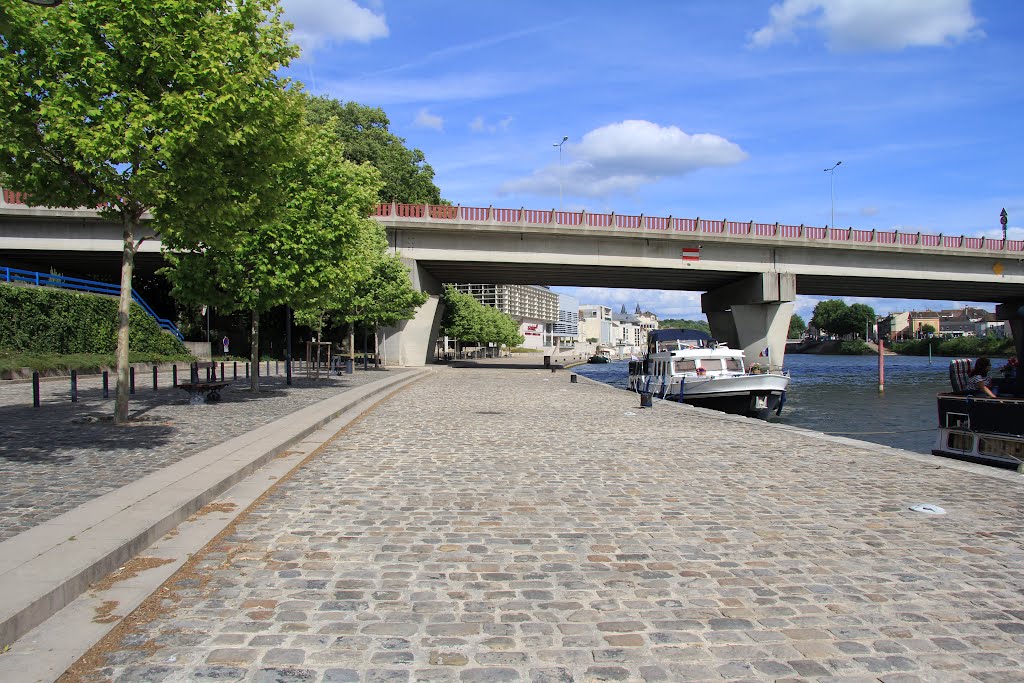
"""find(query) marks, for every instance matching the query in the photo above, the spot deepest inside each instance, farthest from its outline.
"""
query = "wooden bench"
(204, 391)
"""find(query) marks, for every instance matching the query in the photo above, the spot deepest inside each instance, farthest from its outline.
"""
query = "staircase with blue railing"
(30, 277)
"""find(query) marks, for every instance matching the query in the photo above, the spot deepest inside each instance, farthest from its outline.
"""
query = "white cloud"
(424, 119)
(852, 25)
(318, 23)
(479, 125)
(623, 156)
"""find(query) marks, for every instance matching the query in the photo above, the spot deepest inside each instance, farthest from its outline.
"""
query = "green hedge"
(43, 320)
(957, 347)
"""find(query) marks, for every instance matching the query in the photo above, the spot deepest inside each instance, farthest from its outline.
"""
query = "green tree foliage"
(860, 318)
(829, 316)
(134, 107)
(958, 347)
(468, 320)
(319, 243)
(797, 327)
(927, 328)
(41, 320)
(365, 138)
(677, 324)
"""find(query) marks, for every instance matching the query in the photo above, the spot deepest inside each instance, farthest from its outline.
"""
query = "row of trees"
(178, 109)
(468, 320)
(834, 316)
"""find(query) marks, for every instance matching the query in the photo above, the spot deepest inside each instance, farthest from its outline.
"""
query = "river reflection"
(839, 395)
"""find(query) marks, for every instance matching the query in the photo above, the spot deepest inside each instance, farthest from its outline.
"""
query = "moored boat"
(688, 366)
(979, 428)
(598, 358)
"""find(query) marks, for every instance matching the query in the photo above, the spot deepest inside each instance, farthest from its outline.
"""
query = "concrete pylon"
(753, 314)
(412, 342)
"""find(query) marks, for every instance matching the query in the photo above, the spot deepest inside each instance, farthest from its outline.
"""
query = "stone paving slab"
(56, 457)
(503, 525)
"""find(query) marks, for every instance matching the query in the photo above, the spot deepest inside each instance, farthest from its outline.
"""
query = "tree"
(829, 316)
(797, 327)
(135, 107)
(318, 243)
(365, 138)
(860, 318)
(466, 319)
(927, 329)
(385, 297)
(676, 324)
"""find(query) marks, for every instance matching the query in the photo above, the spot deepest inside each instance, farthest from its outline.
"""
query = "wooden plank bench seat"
(200, 391)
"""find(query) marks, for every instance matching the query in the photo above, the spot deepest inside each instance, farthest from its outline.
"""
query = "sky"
(724, 108)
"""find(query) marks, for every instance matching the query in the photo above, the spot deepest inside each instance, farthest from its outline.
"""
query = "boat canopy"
(656, 337)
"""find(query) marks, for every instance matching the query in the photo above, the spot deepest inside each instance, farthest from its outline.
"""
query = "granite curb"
(46, 567)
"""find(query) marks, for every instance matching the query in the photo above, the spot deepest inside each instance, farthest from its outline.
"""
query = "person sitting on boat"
(1008, 383)
(977, 383)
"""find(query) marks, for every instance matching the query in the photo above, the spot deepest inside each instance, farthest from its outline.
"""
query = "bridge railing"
(491, 215)
(16, 275)
(810, 233)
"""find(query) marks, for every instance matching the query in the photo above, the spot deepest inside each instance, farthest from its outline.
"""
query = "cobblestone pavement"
(503, 525)
(58, 456)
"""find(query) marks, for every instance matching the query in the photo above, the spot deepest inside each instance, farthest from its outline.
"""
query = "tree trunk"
(376, 348)
(352, 344)
(254, 352)
(123, 309)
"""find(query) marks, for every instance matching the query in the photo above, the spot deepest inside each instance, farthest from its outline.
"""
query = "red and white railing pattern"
(496, 216)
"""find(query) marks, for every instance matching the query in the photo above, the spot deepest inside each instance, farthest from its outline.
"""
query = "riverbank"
(506, 524)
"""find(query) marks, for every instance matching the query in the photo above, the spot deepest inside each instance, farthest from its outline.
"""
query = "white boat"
(688, 366)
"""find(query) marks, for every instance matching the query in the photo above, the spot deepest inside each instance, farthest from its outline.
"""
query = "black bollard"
(277, 368)
(222, 375)
(131, 380)
(35, 389)
(106, 384)
(646, 399)
(572, 379)
(154, 378)
(194, 373)
(74, 386)
(553, 368)
(235, 370)
(267, 374)
(247, 371)
(174, 375)
(288, 371)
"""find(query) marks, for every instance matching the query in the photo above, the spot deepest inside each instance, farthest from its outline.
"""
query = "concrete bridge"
(751, 272)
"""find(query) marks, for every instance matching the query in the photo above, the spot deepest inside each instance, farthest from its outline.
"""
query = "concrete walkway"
(507, 525)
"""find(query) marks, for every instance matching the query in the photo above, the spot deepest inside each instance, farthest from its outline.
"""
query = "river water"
(839, 395)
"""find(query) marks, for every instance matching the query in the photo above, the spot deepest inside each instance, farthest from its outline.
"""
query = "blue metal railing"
(62, 282)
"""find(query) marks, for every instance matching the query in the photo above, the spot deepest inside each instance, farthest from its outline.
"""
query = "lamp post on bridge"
(832, 189)
(559, 146)
(1002, 220)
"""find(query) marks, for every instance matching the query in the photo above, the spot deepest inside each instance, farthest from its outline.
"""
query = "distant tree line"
(469, 321)
(834, 317)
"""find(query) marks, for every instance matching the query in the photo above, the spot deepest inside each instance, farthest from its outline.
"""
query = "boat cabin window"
(685, 365)
(733, 364)
(711, 364)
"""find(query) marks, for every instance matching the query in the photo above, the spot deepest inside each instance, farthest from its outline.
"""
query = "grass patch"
(82, 362)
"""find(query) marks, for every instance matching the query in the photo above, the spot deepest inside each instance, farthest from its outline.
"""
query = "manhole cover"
(928, 509)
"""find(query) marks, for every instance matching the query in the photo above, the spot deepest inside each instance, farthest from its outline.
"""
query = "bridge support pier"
(412, 342)
(753, 315)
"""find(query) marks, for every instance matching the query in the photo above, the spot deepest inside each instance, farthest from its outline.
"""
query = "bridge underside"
(949, 288)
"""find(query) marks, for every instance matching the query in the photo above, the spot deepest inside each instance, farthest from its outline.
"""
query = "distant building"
(566, 331)
(596, 323)
(630, 330)
(918, 319)
(894, 326)
(969, 322)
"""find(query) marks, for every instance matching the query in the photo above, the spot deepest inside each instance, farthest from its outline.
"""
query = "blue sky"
(724, 108)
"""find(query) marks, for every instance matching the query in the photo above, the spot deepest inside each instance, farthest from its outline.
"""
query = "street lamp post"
(832, 189)
(559, 146)
(1002, 220)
